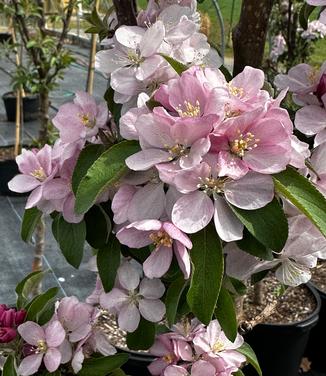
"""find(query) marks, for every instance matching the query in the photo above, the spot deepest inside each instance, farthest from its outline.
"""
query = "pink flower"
(199, 368)
(163, 349)
(194, 210)
(133, 297)
(84, 117)
(75, 318)
(37, 169)
(318, 162)
(251, 143)
(214, 344)
(10, 318)
(7, 334)
(45, 341)
(166, 238)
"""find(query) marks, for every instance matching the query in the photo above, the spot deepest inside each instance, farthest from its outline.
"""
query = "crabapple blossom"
(10, 318)
(318, 162)
(134, 297)
(315, 30)
(214, 344)
(46, 342)
(195, 208)
(278, 47)
(166, 238)
(84, 117)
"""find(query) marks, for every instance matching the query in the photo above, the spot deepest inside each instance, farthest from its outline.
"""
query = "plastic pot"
(8, 169)
(281, 347)
(137, 363)
(315, 351)
(31, 106)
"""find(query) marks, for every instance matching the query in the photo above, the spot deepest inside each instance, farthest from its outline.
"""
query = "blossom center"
(177, 150)
(39, 174)
(235, 91)
(211, 185)
(168, 358)
(188, 109)
(41, 346)
(161, 238)
(218, 347)
(134, 297)
(134, 57)
(244, 142)
(87, 121)
(230, 113)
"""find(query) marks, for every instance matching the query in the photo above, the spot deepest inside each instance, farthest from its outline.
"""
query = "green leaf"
(304, 15)
(268, 224)
(71, 238)
(114, 108)
(117, 372)
(226, 73)
(248, 352)
(252, 246)
(104, 172)
(238, 373)
(226, 314)
(97, 236)
(108, 261)
(143, 337)
(26, 286)
(30, 220)
(207, 259)
(47, 313)
(9, 368)
(302, 194)
(102, 366)
(176, 65)
(172, 299)
(86, 158)
(40, 303)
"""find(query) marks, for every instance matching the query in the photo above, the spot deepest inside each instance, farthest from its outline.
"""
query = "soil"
(296, 304)
(319, 276)
(7, 153)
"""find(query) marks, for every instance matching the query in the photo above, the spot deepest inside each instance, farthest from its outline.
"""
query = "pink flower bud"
(20, 317)
(321, 88)
(7, 335)
(8, 318)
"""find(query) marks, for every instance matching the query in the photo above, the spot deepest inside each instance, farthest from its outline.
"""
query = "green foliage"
(226, 314)
(268, 225)
(97, 236)
(98, 26)
(108, 262)
(172, 300)
(305, 13)
(27, 286)
(248, 352)
(71, 239)
(30, 220)
(9, 368)
(102, 366)
(252, 246)
(176, 65)
(40, 303)
(207, 274)
(103, 173)
(302, 194)
(143, 337)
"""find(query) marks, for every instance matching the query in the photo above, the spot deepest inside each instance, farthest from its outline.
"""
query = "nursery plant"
(186, 182)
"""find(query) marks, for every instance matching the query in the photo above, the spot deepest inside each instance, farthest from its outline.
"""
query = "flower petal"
(52, 359)
(54, 334)
(152, 310)
(158, 263)
(31, 332)
(30, 365)
(129, 318)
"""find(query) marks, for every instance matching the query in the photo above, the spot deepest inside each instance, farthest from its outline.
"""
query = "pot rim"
(314, 316)
(9, 94)
(319, 291)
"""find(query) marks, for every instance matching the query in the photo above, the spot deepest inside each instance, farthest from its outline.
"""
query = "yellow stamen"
(168, 358)
(39, 174)
(189, 110)
(235, 91)
(41, 346)
(243, 143)
(87, 121)
(161, 238)
(218, 347)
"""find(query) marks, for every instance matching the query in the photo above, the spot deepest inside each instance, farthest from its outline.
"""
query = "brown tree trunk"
(249, 35)
(44, 116)
(126, 12)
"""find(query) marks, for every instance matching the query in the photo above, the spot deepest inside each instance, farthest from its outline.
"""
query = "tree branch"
(249, 35)
(126, 12)
(66, 23)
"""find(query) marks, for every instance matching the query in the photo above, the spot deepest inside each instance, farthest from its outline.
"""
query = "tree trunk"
(126, 12)
(249, 36)
(39, 251)
(44, 116)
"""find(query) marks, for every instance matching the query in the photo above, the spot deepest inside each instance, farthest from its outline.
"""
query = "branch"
(249, 35)
(66, 23)
(126, 12)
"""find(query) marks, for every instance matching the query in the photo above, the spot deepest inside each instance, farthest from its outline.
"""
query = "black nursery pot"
(137, 364)
(281, 347)
(31, 106)
(8, 169)
(315, 351)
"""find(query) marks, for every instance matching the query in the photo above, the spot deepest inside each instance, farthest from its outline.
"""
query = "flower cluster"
(71, 335)
(10, 319)
(48, 172)
(196, 350)
(135, 63)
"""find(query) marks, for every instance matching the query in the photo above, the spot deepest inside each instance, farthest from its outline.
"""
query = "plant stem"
(44, 116)
(39, 251)
(259, 293)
